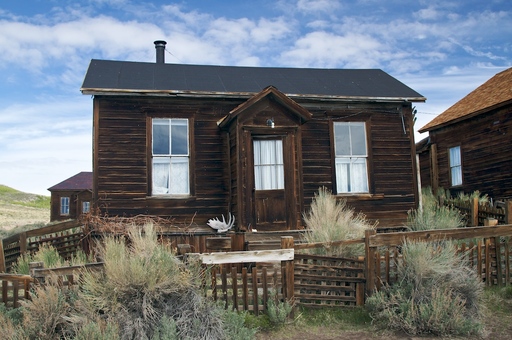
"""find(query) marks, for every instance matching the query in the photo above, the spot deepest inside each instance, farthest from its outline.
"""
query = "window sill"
(361, 197)
(172, 197)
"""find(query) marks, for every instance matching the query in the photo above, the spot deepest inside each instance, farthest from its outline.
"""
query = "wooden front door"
(271, 191)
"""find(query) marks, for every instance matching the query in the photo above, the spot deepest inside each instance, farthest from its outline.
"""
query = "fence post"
(23, 243)
(32, 267)
(2, 257)
(369, 262)
(474, 212)
(508, 212)
(287, 270)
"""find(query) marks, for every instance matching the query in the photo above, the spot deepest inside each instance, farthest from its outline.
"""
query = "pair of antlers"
(222, 226)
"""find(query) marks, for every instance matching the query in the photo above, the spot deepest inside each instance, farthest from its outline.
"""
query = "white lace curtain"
(268, 164)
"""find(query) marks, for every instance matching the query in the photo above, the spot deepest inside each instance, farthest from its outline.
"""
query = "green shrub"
(97, 331)
(330, 219)
(143, 283)
(46, 315)
(236, 326)
(437, 293)
(433, 216)
(46, 254)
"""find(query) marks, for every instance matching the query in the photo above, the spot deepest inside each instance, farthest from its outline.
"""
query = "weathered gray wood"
(276, 255)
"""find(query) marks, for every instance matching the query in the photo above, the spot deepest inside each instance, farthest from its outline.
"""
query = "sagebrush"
(437, 293)
(330, 219)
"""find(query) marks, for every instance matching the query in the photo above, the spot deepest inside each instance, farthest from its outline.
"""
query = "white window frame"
(64, 205)
(455, 159)
(351, 167)
(165, 163)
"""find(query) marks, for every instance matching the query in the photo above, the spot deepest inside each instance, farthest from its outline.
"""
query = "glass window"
(86, 207)
(351, 157)
(170, 157)
(64, 205)
(455, 166)
(268, 164)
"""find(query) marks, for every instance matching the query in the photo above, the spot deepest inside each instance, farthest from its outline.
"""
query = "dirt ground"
(498, 326)
(12, 216)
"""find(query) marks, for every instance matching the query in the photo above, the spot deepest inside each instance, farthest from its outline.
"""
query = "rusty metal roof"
(80, 181)
(492, 93)
(122, 77)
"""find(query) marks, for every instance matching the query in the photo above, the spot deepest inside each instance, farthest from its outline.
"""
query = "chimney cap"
(160, 42)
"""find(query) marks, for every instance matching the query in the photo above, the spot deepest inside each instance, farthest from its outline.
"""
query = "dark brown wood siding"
(390, 159)
(122, 158)
(76, 198)
(486, 151)
(122, 161)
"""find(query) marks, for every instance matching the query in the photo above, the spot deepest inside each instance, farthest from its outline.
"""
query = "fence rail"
(306, 279)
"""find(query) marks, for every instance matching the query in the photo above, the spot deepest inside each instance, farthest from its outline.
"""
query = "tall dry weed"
(330, 219)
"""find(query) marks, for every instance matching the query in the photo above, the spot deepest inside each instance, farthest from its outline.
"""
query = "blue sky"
(442, 49)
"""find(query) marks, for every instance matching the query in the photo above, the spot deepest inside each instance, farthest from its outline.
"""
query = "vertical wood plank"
(487, 262)
(264, 281)
(479, 259)
(234, 287)
(255, 304)
(245, 287)
(474, 212)
(15, 292)
(224, 285)
(288, 270)
(497, 247)
(369, 267)
(2, 258)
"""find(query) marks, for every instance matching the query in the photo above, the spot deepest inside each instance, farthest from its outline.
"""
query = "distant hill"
(20, 209)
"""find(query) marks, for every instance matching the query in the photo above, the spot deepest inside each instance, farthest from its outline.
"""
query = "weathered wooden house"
(193, 142)
(469, 146)
(71, 197)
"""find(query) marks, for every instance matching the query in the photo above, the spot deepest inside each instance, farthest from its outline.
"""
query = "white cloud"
(324, 49)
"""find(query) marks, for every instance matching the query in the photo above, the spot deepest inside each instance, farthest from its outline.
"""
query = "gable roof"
(80, 181)
(122, 77)
(494, 92)
(271, 92)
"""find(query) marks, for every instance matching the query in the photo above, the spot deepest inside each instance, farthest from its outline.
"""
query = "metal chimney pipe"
(160, 51)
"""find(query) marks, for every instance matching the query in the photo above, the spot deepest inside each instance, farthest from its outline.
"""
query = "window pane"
(268, 164)
(160, 137)
(161, 169)
(342, 139)
(86, 206)
(342, 175)
(455, 156)
(359, 182)
(179, 135)
(455, 166)
(179, 176)
(351, 172)
(64, 205)
(358, 139)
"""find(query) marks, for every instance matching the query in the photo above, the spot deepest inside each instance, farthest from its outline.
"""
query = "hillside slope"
(19, 209)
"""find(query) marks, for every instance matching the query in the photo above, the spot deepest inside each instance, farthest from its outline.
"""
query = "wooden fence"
(67, 237)
(476, 214)
(312, 280)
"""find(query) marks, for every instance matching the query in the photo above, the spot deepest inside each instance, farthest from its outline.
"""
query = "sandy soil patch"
(12, 215)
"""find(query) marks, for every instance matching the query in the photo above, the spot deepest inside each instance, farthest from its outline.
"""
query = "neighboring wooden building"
(71, 197)
(193, 142)
(469, 146)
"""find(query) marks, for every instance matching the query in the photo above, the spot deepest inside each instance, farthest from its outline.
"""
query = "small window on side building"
(64, 205)
(455, 166)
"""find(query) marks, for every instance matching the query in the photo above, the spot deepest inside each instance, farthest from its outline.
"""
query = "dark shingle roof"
(104, 76)
(494, 92)
(80, 181)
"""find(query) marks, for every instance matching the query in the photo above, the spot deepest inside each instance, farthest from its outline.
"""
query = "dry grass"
(330, 219)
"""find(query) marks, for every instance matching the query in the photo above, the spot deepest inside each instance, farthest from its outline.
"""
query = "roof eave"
(167, 93)
(427, 128)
